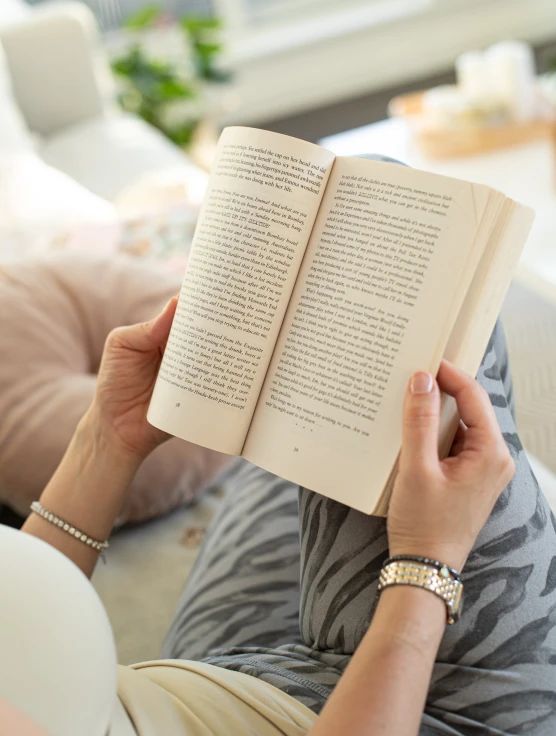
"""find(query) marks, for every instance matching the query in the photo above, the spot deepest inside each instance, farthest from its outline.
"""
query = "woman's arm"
(437, 510)
(13, 721)
(87, 490)
(383, 690)
(111, 441)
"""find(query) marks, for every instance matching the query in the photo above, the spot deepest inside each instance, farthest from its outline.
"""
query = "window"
(311, 20)
(112, 13)
(263, 11)
(258, 28)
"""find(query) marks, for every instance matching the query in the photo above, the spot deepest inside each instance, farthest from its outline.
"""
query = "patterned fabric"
(496, 668)
(240, 608)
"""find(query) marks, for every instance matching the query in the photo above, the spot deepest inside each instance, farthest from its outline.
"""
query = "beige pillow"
(55, 314)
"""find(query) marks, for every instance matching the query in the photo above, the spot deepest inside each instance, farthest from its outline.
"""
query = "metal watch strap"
(428, 577)
(427, 561)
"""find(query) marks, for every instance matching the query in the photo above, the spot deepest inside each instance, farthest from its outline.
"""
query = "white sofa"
(66, 151)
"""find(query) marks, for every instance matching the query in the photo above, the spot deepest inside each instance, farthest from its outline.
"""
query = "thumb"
(421, 418)
(161, 325)
(147, 336)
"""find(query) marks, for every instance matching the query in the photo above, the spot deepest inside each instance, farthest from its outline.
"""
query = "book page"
(386, 270)
(483, 302)
(263, 196)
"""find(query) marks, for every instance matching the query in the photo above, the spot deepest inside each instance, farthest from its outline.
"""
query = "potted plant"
(170, 92)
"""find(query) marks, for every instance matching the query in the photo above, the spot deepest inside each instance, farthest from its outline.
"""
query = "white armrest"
(59, 72)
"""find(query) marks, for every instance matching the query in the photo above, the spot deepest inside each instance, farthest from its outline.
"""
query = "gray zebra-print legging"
(244, 608)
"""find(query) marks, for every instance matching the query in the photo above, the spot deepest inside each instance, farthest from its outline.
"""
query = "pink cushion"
(55, 314)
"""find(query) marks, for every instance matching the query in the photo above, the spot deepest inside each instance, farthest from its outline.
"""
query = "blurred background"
(311, 68)
(110, 111)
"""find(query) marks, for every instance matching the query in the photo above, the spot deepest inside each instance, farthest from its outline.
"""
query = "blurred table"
(525, 173)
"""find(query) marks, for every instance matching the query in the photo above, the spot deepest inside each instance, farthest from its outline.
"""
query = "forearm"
(383, 691)
(87, 490)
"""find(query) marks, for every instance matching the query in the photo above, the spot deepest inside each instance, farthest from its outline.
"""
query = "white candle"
(511, 70)
(444, 106)
(472, 77)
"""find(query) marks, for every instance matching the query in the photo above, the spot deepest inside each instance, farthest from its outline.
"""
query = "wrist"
(86, 491)
(96, 438)
(411, 617)
(94, 470)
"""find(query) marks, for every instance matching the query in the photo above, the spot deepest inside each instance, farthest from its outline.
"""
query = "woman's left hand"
(126, 379)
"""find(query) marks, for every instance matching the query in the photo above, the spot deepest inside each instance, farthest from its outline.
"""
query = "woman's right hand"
(438, 507)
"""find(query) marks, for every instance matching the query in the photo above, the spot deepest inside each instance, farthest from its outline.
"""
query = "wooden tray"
(452, 143)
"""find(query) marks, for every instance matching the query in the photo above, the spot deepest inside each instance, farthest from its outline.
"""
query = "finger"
(473, 404)
(150, 335)
(421, 417)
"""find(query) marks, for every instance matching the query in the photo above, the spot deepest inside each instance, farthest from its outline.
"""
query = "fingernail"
(421, 383)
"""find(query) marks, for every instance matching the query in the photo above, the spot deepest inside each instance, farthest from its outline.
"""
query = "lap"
(244, 587)
(499, 664)
(496, 668)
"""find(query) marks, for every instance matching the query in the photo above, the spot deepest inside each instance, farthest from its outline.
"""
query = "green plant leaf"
(197, 23)
(143, 18)
(174, 89)
(182, 135)
(208, 50)
(159, 67)
(128, 64)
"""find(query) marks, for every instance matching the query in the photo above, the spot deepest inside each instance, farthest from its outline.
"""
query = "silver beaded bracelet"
(47, 515)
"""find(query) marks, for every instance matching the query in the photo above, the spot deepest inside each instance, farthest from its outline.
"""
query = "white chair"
(62, 85)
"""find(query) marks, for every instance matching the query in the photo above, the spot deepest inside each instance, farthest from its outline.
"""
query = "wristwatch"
(430, 575)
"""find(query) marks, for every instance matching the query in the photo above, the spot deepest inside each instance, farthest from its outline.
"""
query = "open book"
(316, 286)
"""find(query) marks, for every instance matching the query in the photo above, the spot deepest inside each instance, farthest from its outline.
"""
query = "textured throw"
(530, 323)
